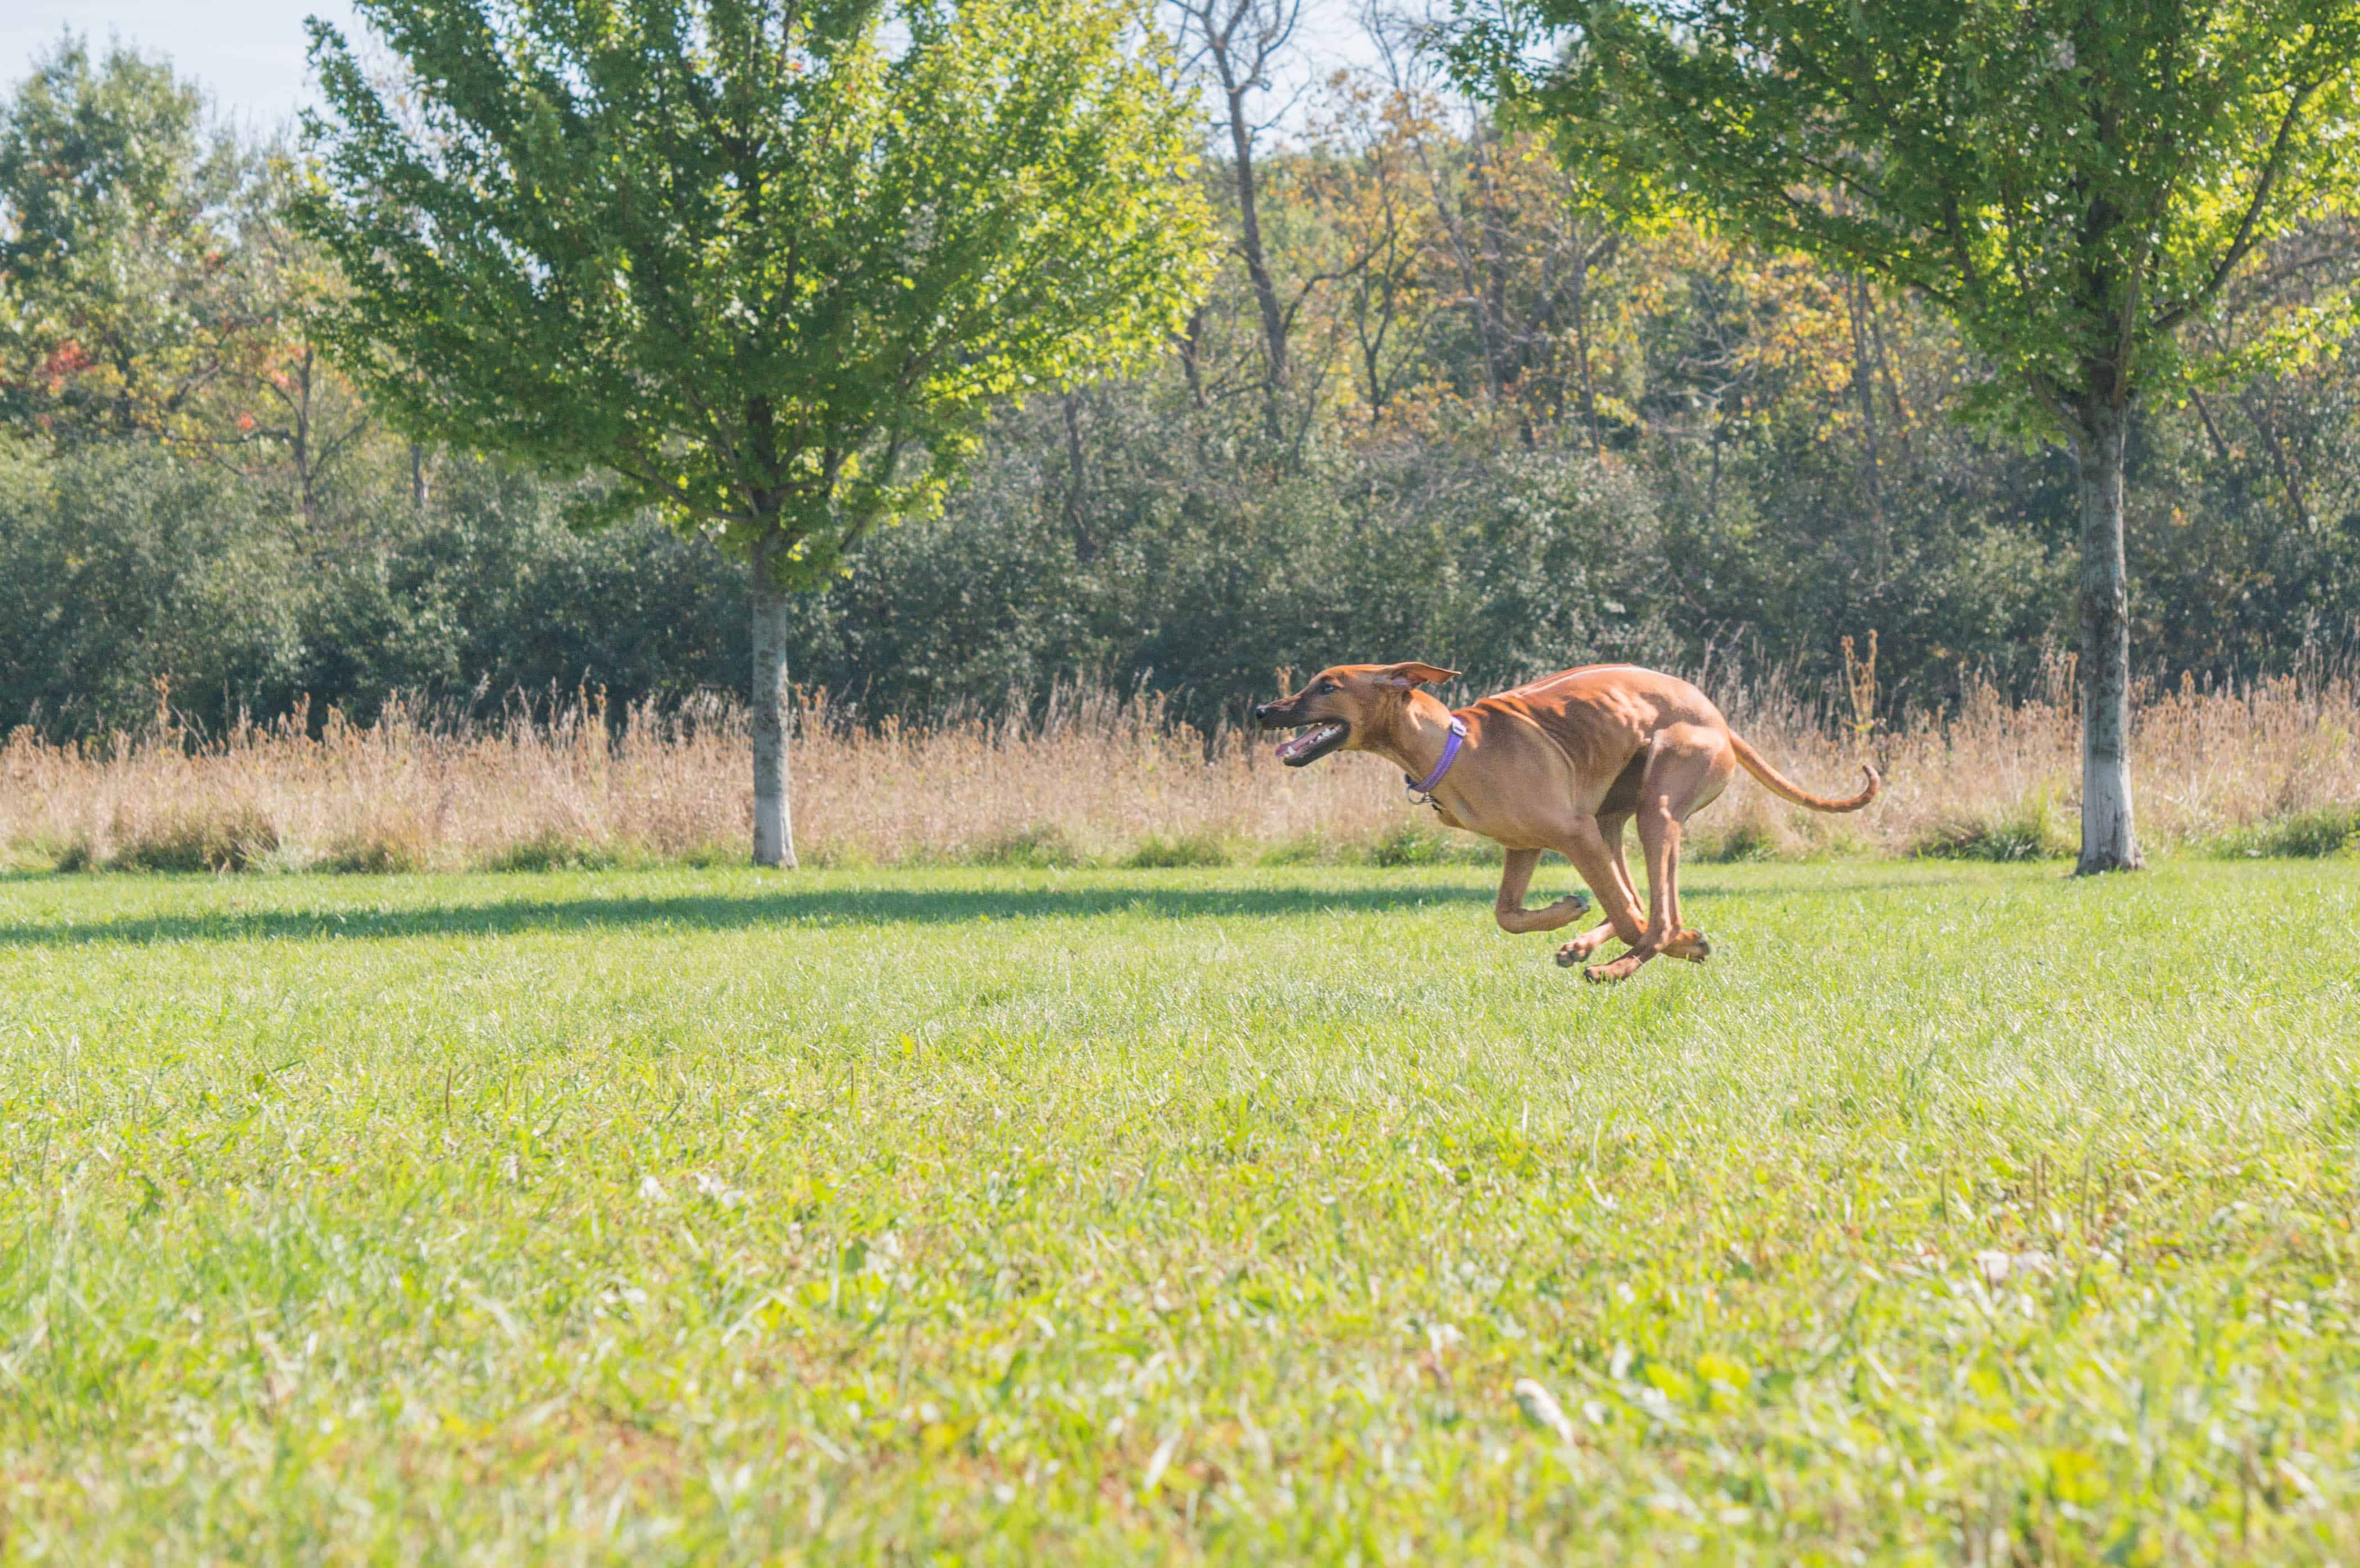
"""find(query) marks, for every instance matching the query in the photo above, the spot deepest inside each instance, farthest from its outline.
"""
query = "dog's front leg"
(1516, 878)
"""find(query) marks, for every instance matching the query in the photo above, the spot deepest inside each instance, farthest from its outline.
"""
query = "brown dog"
(1560, 763)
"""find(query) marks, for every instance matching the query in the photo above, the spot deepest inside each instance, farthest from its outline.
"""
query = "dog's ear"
(1414, 674)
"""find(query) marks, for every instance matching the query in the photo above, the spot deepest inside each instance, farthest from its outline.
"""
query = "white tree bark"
(2109, 839)
(774, 830)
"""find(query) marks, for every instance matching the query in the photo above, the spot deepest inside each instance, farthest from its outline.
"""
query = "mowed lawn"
(1947, 1215)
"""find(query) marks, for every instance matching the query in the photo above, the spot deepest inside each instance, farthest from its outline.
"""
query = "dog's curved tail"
(1779, 785)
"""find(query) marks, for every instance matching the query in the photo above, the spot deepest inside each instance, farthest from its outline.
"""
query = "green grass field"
(1950, 1215)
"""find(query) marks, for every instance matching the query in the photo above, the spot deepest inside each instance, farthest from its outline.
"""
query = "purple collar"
(1422, 790)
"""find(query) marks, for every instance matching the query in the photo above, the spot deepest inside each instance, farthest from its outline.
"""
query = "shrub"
(1156, 852)
(1747, 839)
(556, 852)
(233, 839)
(2306, 835)
(2029, 830)
(1041, 847)
(377, 854)
(1415, 844)
(1303, 849)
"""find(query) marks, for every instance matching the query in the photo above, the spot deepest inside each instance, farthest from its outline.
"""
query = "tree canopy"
(751, 256)
(765, 262)
(2073, 181)
(123, 293)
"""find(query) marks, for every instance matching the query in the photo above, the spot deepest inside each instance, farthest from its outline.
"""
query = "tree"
(2074, 182)
(766, 263)
(1367, 137)
(119, 303)
(1238, 44)
(288, 410)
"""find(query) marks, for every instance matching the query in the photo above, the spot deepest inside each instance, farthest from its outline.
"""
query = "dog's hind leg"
(1597, 863)
(1701, 774)
(1676, 779)
(1684, 943)
(1610, 829)
(1515, 877)
(1659, 838)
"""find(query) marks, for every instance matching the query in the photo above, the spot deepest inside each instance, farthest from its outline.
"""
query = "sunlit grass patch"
(1952, 1212)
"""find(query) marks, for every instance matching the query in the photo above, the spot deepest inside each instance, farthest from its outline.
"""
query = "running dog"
(1560, 763)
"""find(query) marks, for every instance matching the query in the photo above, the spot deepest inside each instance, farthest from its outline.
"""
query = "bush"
(2306, 835)
(236, 839)
(1415, 844)
(1747, 839)
(124, 566)
(1304, 849)
(379, 854)
(2029, 830)
(1156, 852)
(557, 852)
(1037, 848)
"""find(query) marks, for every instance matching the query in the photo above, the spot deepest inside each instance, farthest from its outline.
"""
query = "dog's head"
(1344, 707)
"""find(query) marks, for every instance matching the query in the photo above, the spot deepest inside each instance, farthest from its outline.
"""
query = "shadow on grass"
(787, 909)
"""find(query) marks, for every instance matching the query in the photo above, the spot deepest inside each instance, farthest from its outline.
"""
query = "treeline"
(1429, 408)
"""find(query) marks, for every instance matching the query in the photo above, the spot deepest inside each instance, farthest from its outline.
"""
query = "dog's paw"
(1622, 968)
(1583, 945)
(1690, 945)
(1580, 949)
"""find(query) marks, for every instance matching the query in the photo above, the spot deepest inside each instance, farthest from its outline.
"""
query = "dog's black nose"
(1262, 714)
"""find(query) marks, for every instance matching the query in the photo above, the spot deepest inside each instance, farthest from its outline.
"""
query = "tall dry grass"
(2273, 765)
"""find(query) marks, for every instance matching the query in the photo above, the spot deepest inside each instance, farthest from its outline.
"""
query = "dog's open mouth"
(1313, 743)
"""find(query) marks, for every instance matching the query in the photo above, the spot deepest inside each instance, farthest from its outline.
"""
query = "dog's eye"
(1329, 686)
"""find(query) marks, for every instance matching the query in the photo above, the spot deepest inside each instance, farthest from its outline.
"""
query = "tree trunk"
(1580, 306)
(299, 448)
(1190, 345)
(1266, 291)
(1864, 385)
(2108, 840)
(774, 831)
(1085, 545)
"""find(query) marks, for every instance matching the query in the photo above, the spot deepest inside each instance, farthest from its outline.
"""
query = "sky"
(249, 54)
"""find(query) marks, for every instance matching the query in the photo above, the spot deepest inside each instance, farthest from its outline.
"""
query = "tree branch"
(2165, 320)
